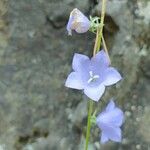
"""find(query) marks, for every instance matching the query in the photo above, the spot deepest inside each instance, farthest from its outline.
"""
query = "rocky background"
(36, 111)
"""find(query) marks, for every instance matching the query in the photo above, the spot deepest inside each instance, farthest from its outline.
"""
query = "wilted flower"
(78, 22)
(92, 75)
(109, 121)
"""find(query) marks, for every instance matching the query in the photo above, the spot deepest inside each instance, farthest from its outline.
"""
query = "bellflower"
(78, 22)
(92, 75)
(109, 121)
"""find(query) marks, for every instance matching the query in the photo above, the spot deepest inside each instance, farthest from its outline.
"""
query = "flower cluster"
(92, 76)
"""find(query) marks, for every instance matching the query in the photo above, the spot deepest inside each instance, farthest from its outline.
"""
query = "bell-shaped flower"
(78, 22)
(110, 121)
(92, 75)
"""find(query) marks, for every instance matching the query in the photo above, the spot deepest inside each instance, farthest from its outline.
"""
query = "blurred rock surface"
(35, 58)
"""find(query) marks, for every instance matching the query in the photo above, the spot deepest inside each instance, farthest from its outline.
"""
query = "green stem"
(96, 49)
(90, 104)
(105, 48)
(100, 30)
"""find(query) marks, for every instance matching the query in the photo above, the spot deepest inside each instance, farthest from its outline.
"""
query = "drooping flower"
(78, 22)
(110, 121)
(92, 75)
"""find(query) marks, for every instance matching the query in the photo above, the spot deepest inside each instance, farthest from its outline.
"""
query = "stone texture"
(37, 112)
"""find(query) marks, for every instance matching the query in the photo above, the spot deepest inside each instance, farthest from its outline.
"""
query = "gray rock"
(35, 59)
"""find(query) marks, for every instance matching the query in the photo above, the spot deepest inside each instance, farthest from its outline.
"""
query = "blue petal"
(94, 93)
(82, 26)
(116, 117)
(69, 29)
(110, 106)
(104, 138)
(101, 59)
(113, 133)
(113, 117)
(74, 81)
(80, 62)
(112, 76)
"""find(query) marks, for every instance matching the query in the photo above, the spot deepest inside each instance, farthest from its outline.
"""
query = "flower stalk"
(105, 48)
(90, 108)
(100, 30)
(96, 49)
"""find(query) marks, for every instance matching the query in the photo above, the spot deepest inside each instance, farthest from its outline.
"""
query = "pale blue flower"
(78, 22)
(92, 75)
(110, 121)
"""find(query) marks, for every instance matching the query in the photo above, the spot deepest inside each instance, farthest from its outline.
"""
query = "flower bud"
(78, 22)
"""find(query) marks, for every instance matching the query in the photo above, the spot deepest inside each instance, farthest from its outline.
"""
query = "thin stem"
(95, 45)
(105, 47)
(88, 123)
(102, 23)
(96, 49)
